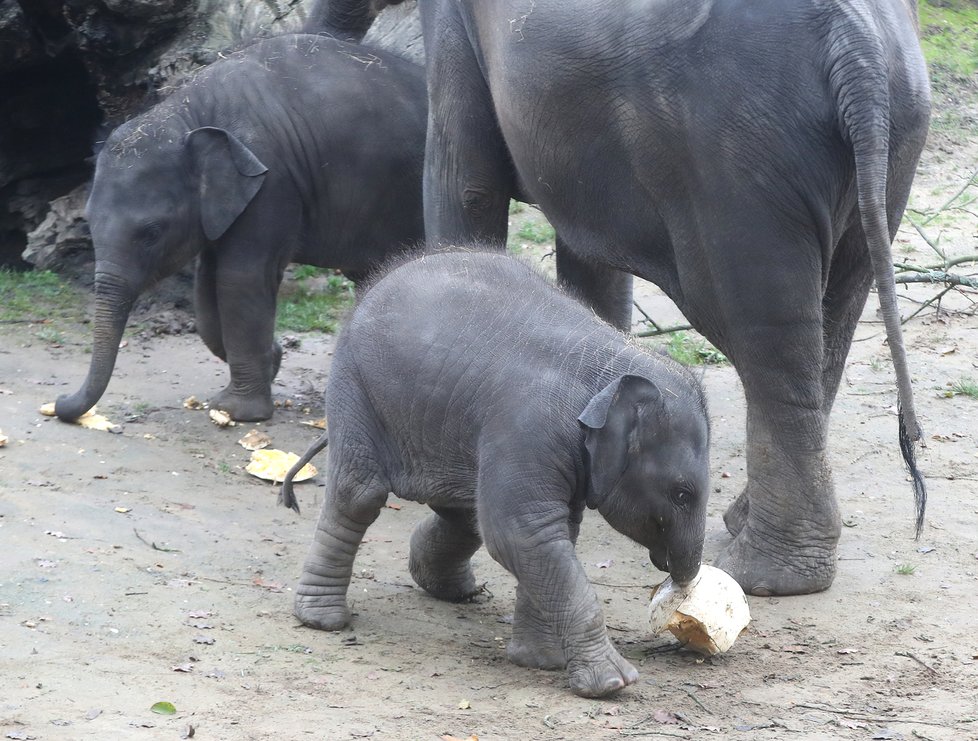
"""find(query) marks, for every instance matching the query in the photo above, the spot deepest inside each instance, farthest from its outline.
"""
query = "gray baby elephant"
(468, 382)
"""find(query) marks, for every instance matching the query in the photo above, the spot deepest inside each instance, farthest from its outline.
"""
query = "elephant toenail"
(761, 591)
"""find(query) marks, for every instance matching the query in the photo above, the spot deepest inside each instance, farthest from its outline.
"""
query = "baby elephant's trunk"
(286, 495)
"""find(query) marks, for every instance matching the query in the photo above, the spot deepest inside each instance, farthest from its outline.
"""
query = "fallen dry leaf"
(221, 419)
(191, 402)
(255, 440)
(464, 705)
(3, 439)
(272, 465)
(90, 420)
(269, 585)
(666, 716)
(317, 423)
(448, 737)
(96, 422)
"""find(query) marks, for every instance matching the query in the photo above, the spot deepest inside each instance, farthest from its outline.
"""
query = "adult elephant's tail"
(860, 77)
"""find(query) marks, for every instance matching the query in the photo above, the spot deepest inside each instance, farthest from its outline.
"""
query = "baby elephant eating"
(468, 382)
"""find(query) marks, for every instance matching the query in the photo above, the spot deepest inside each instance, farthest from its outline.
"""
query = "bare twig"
(153, 545)
(922, 275)
(947, 204)
(909, 655)
(931, 242)
(695, 699)
(662, 330)
(856, 715)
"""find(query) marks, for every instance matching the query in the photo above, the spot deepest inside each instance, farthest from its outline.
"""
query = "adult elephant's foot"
(603, 676)
(735, 518)
(766, 567)
(253, 407)
(321, 613)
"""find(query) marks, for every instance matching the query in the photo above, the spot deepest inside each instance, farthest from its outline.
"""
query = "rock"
(62, 237)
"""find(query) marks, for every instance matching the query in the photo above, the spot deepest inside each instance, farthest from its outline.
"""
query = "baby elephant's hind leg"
(348, 509)
(441, 548)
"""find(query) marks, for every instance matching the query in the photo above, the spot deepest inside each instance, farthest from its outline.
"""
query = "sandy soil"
(148, 566)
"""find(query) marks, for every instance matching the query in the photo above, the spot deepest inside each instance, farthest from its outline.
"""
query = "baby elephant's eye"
(149, 233)
(682, 497)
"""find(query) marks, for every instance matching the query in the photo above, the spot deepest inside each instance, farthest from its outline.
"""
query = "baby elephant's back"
(440, 331)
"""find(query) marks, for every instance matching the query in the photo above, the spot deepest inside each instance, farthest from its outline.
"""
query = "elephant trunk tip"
(70, 408)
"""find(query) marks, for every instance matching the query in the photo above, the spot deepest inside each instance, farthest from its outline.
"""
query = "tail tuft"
(910, 458)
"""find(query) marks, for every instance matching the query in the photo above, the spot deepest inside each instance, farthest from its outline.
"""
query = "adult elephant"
(752, 159)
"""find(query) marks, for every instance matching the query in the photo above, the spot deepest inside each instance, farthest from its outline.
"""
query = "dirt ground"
(148, 566)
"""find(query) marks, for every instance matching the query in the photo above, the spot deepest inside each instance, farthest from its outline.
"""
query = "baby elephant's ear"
(611, 419)
(228, 176)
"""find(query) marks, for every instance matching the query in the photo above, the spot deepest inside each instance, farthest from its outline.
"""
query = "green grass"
(689, 350)
(949, 37)
(307, 305)
(515, 207)
(536, 233)
(905, 569)
(37, 296)
(965, 387)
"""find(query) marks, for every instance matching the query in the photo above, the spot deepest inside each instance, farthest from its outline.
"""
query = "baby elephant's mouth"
(660, 559)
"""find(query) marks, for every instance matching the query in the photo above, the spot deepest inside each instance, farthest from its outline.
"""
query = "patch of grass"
(515, 207)
(304, 272)
(310, 306)
(949, 37)
(536, 233)
(965, 387)
(50, 335)
(689, 350)
(37, 296)
(905, 569)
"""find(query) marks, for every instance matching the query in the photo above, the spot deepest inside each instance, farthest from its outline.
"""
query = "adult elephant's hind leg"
(441, 550)
(849, 281)
(606, 290)
(736, 515)
(468, 176)
(786, 540)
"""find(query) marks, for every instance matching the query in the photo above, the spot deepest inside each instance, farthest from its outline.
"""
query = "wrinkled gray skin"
(752, 159)
(296, 149)
(467, 382)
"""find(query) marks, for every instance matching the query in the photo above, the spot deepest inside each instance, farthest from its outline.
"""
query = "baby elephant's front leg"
(558, 620)
(441, 548)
